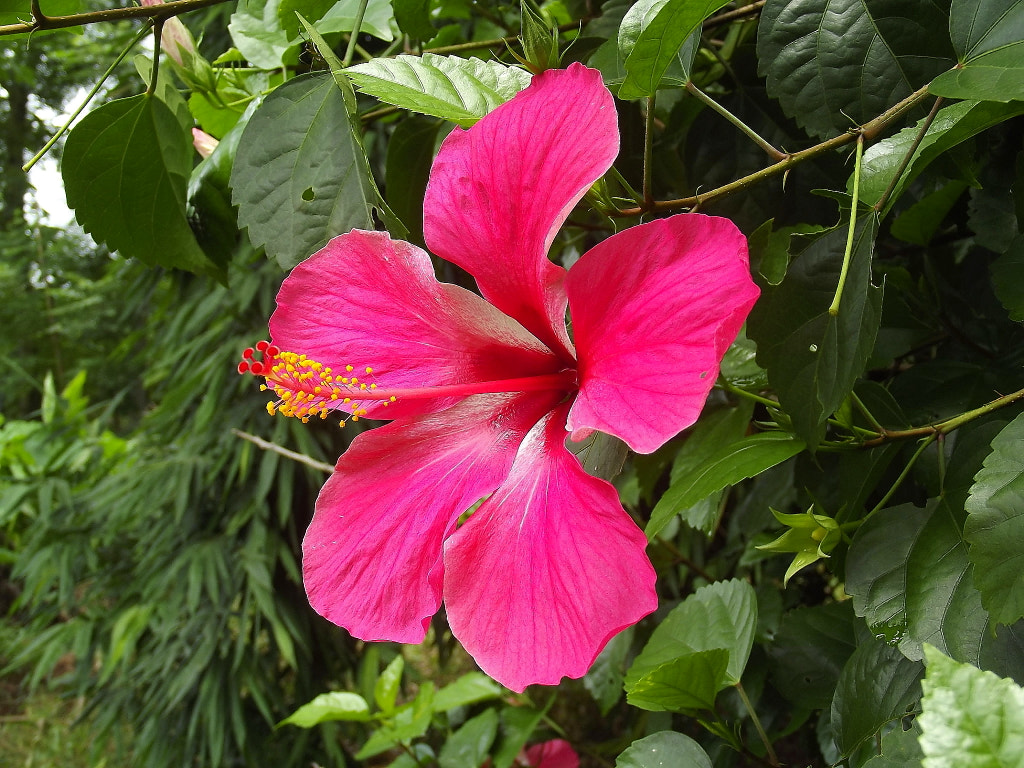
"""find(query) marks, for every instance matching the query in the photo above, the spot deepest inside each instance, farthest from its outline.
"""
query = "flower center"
(307, 388)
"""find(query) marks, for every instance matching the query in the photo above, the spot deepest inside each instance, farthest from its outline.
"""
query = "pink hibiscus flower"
(557, 753)
(484, 391)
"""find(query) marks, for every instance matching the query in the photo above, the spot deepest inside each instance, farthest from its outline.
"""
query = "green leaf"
(970, 718)
(995, 526)
(809, 652)
(727, 466)
(687, 683)
(813, 357)
(718, 617)
(951, 126)
(919, 223)
(460, 90)
(715, 431)
(651, 34)
(910, 578)
(900, 749)
(300, 175)
(988, 41)
(1008, 278)
(664, 749)
(385, 690)
(469, 745)
(600, 454)
(835, 63)
(468, 689)
(338, 705)
(268, 36)
(410, 721)
(517, 725)
(877, 685)
(605, 677)
(126, 167)
(413, 17)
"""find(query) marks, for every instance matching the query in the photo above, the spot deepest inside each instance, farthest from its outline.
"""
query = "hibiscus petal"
(499, 192)
(369, 301)
(557, 753)
(547, 570)
(654, 308)
(372, 553)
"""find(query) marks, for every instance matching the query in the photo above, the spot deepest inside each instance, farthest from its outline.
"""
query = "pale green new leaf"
(385, 690)
(337, 705)
(970, 718)
(449, 87)
(995, 526)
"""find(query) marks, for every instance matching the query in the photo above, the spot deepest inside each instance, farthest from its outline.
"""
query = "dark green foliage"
(848, 504)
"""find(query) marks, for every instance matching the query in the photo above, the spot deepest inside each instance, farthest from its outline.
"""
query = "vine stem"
(846, 528)
(266, 445)
(869, 130)
(749, 132)
(85, 102)
(925, 125)
(354, 34)
(848, 253)
(165, 11)
(772, 757)
(947, 426)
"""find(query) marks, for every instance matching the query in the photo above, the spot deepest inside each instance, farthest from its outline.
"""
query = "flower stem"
(353, 36)
(648, 152)
(85, 102)
(750, 133)
(158, 30)
(848, 253)
(772, 757)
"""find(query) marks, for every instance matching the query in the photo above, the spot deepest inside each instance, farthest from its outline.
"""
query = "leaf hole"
(308, 194)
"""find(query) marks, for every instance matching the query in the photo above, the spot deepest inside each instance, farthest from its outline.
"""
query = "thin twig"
(165, 11)
(772, 757)
(869, 131)
(852, 231)
(302, 458)
(85, 102)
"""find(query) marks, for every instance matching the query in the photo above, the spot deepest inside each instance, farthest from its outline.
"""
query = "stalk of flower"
(174, 37)
(484, 390)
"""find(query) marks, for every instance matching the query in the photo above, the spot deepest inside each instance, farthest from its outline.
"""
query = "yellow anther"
(355, 418)
(393, 398)
(344, 380)
(355, 380)
(369, 370)
(373, 386)
(263, 387)
(349, 368)
(317, 390)
(271, 408)
(347, 400)
(362, 386)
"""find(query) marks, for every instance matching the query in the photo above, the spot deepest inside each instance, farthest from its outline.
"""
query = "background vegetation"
(837, 540)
